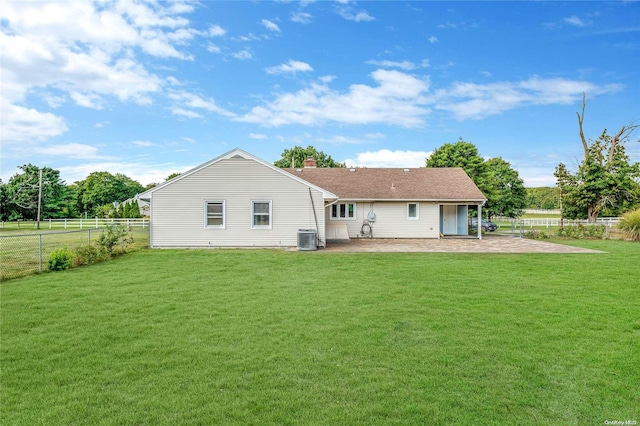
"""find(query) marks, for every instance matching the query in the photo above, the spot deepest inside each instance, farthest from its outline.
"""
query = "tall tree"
(461, 154)
(507, 194)
(100, 188)
(25, 193)
(500, 183)
(605, 179)
(295, 157)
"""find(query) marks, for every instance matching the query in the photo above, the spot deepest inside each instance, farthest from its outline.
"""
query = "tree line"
(100, 194)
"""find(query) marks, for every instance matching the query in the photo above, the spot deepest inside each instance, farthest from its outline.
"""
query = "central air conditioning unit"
(307, 239)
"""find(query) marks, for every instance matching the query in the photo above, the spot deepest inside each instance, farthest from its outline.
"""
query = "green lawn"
(274, 337)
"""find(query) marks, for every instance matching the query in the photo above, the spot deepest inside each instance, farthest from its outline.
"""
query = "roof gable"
(394, 184)
(236, 153)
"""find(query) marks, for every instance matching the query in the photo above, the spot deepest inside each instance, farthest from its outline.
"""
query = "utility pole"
(39, 195)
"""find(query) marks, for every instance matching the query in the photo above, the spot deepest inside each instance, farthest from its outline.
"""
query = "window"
(214, 214)
(261, 214)
(343, 211)
(413, 211)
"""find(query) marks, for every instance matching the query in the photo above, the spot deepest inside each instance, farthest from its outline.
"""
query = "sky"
(149, 88)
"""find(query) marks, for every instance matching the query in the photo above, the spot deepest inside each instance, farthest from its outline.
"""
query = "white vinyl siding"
(177, 209)
(214, 214)
(391, 220)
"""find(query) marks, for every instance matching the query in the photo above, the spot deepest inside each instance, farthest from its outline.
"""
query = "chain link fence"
(25, 254)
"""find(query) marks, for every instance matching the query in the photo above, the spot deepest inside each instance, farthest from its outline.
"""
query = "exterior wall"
(391, 220)
(178, 209)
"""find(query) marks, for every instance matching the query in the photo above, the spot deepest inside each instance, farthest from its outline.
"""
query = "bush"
(630, 225)
(112, 235)
(537, 235)
(87, 255)
(60, 259)
(592, 232)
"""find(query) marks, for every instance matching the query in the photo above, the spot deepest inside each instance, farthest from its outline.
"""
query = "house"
(239, 200)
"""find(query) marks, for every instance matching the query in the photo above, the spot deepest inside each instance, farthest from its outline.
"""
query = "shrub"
(630, 225)
(88, 254)
(537, 235)
(581, 231)
(112, 235)
(60, 259)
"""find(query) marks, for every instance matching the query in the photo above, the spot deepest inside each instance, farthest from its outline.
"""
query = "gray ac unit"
(307, 239)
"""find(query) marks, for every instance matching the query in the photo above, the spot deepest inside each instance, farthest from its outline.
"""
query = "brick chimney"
(310, 163)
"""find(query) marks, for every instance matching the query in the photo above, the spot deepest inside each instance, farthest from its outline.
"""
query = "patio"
(488, 244)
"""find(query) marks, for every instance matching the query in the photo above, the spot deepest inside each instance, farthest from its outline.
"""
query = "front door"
(449, 220)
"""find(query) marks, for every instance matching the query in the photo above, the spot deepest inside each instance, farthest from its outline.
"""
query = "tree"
(100, 188)
(4, 215)
(27, 192)
(544, 198)
(297, 155)
(461, 154)
(500, 183)
(605, 181)
(507, 194)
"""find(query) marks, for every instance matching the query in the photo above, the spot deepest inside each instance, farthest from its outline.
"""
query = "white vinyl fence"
(76, 223)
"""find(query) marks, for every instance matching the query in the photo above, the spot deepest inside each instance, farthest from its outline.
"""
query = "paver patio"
(488, 244)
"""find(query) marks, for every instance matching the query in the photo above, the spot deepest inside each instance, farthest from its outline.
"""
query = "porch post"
(479, 221)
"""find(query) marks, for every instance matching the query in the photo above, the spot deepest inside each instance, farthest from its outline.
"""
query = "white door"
(449, 220)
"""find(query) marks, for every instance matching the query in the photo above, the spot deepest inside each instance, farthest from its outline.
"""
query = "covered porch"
(454, 220)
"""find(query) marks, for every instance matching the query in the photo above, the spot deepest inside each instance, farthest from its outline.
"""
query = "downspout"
(315, 216)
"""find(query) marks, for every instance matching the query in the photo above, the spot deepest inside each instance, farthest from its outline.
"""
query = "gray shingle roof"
(446, 184)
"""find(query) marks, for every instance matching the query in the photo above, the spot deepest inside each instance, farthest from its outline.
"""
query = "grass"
(275, 337)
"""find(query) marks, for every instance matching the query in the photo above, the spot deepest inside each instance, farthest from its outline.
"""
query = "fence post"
(40, 252)
(96, 222)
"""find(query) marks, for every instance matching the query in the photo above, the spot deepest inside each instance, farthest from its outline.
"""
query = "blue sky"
(151, 88)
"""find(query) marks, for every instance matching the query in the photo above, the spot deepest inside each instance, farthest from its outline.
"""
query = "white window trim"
(270, 226)
(224, 214)
(331, 217)
(417, 212)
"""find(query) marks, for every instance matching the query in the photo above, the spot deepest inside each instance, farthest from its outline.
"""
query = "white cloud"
(185, 113)
(87, 100)
(20, 124)
(270, 25)
(575, 21)
(258, 136)
(144, 144)
(433, 39)
(475, 101)
(242, 54)
(71, 150)
(348, 13)
(388, 158)
(86, 51)
(397, 99)
(405, 65)
(213, 48)
(216, 31)
(290, 67)
(194, 101)
(301, 17)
